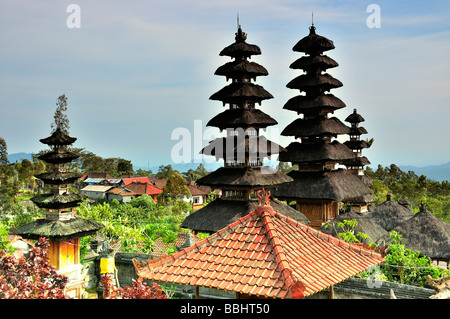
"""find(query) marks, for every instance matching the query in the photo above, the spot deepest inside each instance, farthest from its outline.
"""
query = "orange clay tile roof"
(264, 253)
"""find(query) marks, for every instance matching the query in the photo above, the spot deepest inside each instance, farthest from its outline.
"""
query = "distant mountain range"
(435, 172)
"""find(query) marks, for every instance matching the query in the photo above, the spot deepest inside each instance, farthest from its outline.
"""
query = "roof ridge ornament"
(263, 197)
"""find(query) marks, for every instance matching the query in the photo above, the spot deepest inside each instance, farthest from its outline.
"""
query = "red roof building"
(263, 254)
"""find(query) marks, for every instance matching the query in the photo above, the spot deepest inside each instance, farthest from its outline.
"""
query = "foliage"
(416, 189)
(406, 266)
(346, 231)
(31, 277)
(60, 118)
(3, 152)
(194, 174)
(176, 185)
(140, 290)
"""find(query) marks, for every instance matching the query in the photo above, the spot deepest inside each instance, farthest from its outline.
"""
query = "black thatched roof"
(55, 157)
(244, 177)
(357, 130)
(390, 214)
(307, 63)
(58, 138)
(302, 103)
(366, 226)
(356, 145)
(239, 68)
(357, 161)
(317, 126)
(354, 117)
(426, 233)
(335, 185)
(51, 201)
(241, 91)
(58, 230)
(222, 212)
(240, 48)
(58, 178)
(243, 118)
(235, 147)
(313, 43)
(307, 82)
(318, 152)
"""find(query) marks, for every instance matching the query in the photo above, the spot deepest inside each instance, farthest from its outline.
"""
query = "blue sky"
(137, 70)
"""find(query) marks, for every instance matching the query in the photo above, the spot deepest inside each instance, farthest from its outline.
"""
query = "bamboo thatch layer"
(317, 126)
(240, 68)
(240, 49)
(365, 225)
(238, 147)
(313, 43)
(390, 214)
(357, 161)
(318, 152)
(244, 177)
(58, 230)
(51, 201)
(356, 145)
(222, 212)
(55, 157)
(426, 233)
(302, 103)
(335, 185)
(242, 118)
(58, 138)
(58, 178)
(321, 62)
(306, 82)
(357, 130)
(241, 91)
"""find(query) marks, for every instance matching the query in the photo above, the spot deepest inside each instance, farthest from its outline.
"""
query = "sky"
(137, 73)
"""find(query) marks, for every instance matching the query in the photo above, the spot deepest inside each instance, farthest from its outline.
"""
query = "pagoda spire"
(243, 149)
(318, 185)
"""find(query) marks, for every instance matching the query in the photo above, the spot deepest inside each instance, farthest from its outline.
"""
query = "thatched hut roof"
(244, 177)
(315, 127)
(240, 48)
(357, 130)
(307, 82)
(58, 138)
(307, 63)
(307, 104)
(239, 68)
(55, 157)
(426, 233)
(233, 147)
(52, 201)
(58, 230)
(313, 43)
(357, 161)
(58, 178)
(222, 212)
(242, 118)
(390, 214)
(356, 144)
(240, 91)
(365, 225)
(315, 152)
(335, 185)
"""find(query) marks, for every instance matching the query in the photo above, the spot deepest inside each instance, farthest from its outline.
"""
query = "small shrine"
(243, 149)
(62, 228)
(319, 185)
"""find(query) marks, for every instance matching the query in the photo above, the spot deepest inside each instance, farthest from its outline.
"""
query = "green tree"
(3, 152)
(165, 171)
(124, 167)
(61, 121)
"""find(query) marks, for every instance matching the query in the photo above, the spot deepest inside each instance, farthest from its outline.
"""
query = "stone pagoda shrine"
(243, 149)
(60, 226)
(319, 184)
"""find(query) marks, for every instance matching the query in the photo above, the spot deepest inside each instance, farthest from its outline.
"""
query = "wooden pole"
(331, 292)
(197, 292)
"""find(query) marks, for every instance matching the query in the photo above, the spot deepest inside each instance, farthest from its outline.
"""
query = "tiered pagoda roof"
(243, 149)
(317, 152)
(60, 222)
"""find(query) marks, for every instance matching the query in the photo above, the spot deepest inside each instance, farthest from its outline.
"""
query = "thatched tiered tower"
(61, 227)
(318, 185)
(243, 149)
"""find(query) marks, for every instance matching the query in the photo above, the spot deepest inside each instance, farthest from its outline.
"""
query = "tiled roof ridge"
(293, 287)
(336, 241)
